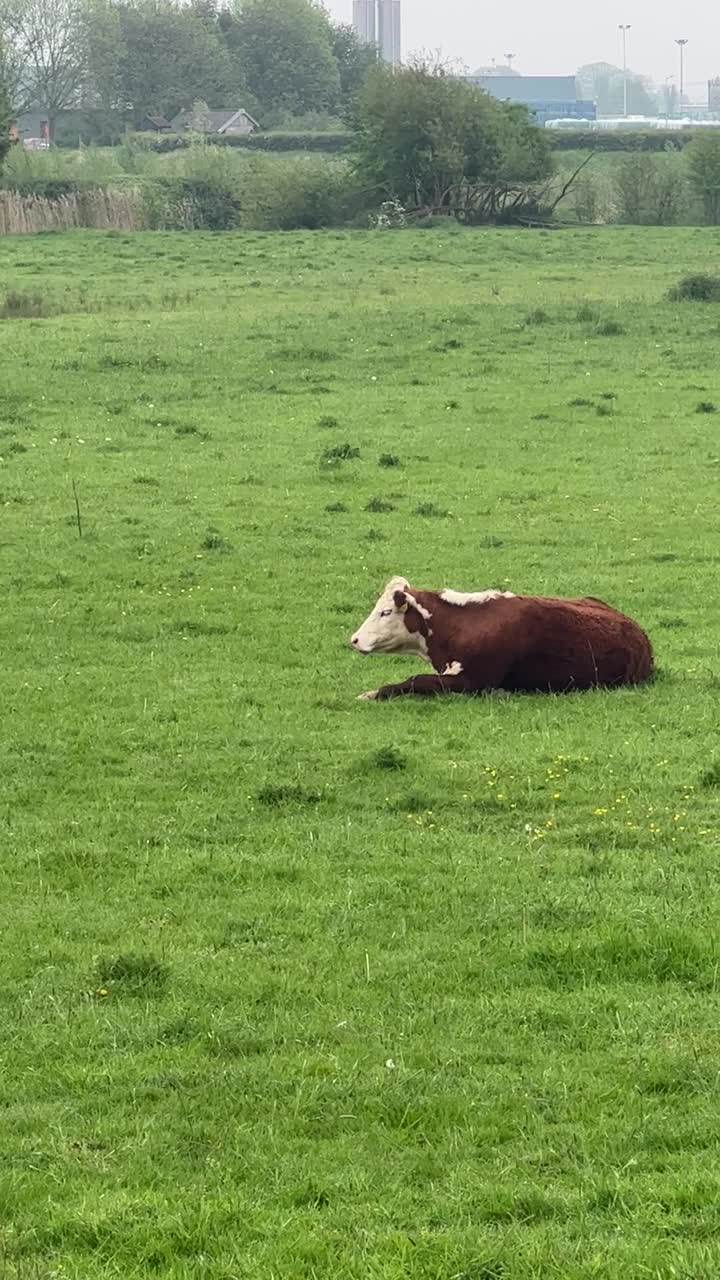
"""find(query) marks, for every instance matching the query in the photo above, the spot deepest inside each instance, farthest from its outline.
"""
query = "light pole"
(624, 27)
(681, 46)
(509, 57)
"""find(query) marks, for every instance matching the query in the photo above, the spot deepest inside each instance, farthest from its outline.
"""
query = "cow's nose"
(354, 641)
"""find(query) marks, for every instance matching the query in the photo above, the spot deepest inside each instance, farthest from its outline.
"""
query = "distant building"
(378, 22)
(214, 122)
(32, 126)
(494, 70)
(547, 97)
(714, 95)
(155, 124)
(364, 21)
(517, 88)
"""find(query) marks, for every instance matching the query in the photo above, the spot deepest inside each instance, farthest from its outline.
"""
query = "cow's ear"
(401, 600)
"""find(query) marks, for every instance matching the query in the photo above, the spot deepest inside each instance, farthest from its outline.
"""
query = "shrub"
(703, 166)
(285, 140)
(200, 191)
(649, 190)
(389, 217)
(51, 188)
(586, 201)
(287, 793)
(23, 306)
(339, 453)
(306, 194)
(711, 776)
(214, 541)
(608, 329)
(213, 206)
(429, 510)
(620, 139)
(696, 287)
(388, 758)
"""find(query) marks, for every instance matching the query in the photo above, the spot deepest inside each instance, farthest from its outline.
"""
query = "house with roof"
(155, 124)
(214, 123)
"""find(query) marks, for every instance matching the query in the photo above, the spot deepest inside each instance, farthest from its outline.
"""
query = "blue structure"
(547, 97)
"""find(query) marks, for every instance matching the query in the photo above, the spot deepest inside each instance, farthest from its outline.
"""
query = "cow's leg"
(419, 686)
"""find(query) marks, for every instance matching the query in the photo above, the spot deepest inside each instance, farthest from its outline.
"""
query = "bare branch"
(570, 181)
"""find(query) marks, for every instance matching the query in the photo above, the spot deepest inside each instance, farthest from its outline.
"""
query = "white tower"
(378, 22)
(364, 20)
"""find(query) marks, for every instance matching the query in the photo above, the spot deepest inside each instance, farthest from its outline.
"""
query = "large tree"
(604, 84)
(285, 50)
(104, 52)
(5, 109)
(46, 51)
(354, 60)
(171, 58)
(423, 132)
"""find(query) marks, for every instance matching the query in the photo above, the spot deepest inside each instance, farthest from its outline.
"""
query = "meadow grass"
(299, 987)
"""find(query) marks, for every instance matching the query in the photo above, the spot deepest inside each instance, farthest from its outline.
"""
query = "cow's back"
(577, 644)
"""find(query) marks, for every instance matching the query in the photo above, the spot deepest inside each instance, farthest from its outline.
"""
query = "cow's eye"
(385, 613)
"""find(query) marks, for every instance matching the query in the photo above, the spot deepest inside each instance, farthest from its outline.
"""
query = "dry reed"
(101, 210)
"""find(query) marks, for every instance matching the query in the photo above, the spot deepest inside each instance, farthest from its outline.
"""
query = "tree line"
(121, 61)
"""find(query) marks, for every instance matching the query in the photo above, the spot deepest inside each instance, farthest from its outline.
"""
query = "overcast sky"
(558, 36)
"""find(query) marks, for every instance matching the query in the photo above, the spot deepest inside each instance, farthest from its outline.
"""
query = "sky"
(557, 36)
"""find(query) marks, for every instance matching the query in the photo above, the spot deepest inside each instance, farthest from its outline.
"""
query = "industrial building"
(378, 22)
(547, 97)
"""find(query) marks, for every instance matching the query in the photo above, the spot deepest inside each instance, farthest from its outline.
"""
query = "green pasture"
(296, 987)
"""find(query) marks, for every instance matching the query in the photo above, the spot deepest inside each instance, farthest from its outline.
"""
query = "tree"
(423, 133)
(285, 50)
(649, 189)
(604, 84)
(6, 113)
(46, 51)
(354, 60)
(104, 49)
(171, 58)
(703, 164)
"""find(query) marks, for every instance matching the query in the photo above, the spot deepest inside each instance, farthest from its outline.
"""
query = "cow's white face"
(384, 630)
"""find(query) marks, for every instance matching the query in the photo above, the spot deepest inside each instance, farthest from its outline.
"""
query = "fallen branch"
(570, 181)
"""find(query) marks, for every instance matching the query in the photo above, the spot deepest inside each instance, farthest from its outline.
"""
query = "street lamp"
(681, 46)
(624, 27)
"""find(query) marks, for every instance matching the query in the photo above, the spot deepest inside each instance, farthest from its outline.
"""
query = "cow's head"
(397, 624)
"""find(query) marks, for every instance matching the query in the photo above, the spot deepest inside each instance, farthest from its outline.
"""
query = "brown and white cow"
(488, 640)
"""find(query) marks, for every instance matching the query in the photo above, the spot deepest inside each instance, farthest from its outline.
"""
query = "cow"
(483, 641)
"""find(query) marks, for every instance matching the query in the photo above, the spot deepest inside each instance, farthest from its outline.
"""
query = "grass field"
(296, 987)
